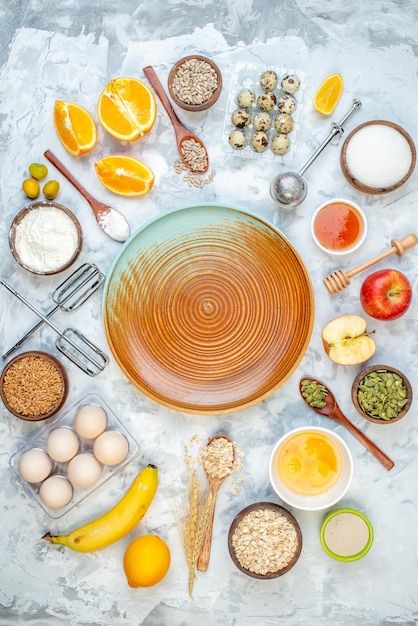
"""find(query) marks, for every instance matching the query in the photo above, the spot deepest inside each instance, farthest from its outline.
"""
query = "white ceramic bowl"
(322, 500)
(333, 225)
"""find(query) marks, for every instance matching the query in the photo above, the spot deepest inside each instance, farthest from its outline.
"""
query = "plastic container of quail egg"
(67, 418)
(247, 76)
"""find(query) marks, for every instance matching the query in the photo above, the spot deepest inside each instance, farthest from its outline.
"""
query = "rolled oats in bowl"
(265, 540)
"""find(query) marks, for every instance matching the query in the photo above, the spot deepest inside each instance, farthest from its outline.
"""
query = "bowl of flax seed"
(195, 83)
(34, 386)
(264, 540)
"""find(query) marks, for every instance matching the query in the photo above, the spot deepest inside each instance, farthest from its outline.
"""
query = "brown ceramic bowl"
(364, 139)
(27, 379)
(281, 514)
(74, 229)
(200, 94)
(355, 393)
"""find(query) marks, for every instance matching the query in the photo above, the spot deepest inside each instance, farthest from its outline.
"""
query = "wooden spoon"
(182, 132)
(110, 220)
(333, 411)
(215, 484)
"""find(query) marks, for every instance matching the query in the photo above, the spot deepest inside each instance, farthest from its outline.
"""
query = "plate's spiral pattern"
(208, 309)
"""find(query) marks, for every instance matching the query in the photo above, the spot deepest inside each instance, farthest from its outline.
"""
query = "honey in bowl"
(309, 463)
(339, 226)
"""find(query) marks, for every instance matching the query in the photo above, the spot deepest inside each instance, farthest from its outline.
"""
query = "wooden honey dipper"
(339, 280)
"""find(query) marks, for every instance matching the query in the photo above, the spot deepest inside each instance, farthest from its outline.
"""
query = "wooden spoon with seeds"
(218, 463)
(333, 411)
(191, 149)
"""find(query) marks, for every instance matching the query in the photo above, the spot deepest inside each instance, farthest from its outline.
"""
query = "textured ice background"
(69, 50)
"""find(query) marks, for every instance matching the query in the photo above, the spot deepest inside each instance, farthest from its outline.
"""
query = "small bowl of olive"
(381, 394)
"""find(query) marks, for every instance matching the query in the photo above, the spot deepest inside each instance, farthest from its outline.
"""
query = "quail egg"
(241, 118)
(246, 98)
(286, 104)
(237, 140)
(262, 121)
(260, 141)
(280, 144)
(268, 80)
(267, 101)
(290, 83)
(283, 123)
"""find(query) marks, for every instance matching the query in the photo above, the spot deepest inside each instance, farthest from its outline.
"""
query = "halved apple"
(346, 340)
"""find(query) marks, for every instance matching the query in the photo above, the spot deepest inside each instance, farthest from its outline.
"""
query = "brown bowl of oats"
(34, 386)
(195, 83)
(264, 540)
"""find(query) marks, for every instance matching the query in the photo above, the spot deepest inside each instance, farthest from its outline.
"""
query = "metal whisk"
(71, 342)
(70, 295)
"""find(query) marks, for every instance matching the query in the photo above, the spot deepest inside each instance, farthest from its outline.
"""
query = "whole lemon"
(146, 561)
(38, 171)
(51, 189)
(31, 188)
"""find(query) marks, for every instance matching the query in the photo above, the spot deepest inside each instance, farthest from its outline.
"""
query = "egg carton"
(247, 76)
(86, 445)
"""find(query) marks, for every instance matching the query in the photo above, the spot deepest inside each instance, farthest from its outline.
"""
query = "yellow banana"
(118, 521)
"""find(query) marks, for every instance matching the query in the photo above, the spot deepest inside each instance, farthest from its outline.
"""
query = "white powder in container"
(378, 156)
(46, 239)
(346, 534)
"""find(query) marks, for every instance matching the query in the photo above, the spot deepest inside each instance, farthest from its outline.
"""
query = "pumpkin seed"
(314, 393)
(382, 394)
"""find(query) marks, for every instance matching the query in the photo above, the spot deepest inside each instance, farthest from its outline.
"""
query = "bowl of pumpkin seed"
(381, 394)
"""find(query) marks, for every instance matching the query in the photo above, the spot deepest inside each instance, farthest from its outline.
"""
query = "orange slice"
(125, 175)
(75, 127)
(328, 94)
(127, 108)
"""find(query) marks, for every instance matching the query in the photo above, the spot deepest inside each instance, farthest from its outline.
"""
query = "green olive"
(31, 188)
(51, 189)
(38, 171)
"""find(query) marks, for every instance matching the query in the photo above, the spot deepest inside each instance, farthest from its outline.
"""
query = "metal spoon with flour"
(110, 220)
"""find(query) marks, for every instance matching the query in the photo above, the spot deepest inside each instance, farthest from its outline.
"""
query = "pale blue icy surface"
(69, 50)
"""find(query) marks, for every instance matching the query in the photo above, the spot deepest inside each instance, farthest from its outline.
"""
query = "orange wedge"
(127, 108)
(328, 94)
(75, 127)
(125, 175)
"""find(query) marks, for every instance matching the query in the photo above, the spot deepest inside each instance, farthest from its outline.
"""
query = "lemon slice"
(328, 94)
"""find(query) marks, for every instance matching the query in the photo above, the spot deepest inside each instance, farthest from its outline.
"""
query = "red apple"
(386, 294)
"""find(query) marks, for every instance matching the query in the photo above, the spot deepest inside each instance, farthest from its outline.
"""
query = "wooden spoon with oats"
(218, 463)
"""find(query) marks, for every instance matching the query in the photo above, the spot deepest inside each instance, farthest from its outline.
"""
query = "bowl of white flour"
(45, 238)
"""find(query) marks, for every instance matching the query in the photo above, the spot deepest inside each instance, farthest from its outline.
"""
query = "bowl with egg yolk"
(311, 468)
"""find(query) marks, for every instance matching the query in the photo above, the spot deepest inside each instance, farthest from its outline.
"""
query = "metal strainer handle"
(336, 130)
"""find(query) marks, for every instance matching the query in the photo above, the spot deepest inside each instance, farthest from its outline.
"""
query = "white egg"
(62, 444)
(111, 447)
(90, 421)
(56, 492)
(84, 470)
(34, 465)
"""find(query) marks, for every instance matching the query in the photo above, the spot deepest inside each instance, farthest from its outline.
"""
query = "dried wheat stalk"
(195, 523)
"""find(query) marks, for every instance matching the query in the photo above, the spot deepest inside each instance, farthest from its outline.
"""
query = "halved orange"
(75, 127)
(127, 108)
(125, 175)
(328, 94)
